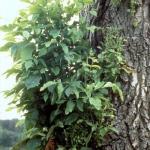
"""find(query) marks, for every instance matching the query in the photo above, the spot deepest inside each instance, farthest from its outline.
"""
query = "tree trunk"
(133, 115)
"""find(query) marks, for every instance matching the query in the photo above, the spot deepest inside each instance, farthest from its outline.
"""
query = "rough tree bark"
(133, 116)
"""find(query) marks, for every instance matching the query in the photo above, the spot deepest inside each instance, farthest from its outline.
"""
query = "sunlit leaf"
(7, 46)
(55, 33)
(93, 12)
(47, 84)
(69, 107)
(60, 89)
(65, 48)
(26, 34)
(56, 70)
(92, 28)
(96, 102)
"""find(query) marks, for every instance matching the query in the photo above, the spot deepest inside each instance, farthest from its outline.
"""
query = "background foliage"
(64, 87)
(9, 133)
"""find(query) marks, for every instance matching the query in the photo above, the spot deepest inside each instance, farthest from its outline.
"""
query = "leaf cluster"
(62, 85)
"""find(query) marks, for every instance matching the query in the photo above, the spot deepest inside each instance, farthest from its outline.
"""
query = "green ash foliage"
(64, 87)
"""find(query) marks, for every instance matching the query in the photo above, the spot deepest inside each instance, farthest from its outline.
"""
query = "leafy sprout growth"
(64, 87)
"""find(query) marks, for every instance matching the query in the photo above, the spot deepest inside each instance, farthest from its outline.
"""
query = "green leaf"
(28, 64)
(115, 89)
(9, 38)
(89, 89)
(87, 1)
(71, 118)
(104, 91)
(55, 33)
(47, 44)
(96, 102)
(26, 34)
(26, 51)
(108, 84)
(60, 147)
(69, 107)
(41, 2)
(56, 70)
(32, 81)
(65, 48)
(103, 131)
(43, 51)
(74, 88)
(92, 28)
(47, 84)
(45, 97)
(6, 47)
(99, 85)
(114, 130)
(60, 89)
(33, 144)
(93, 12)
(31, 119)
(76, 35)
(76, 92)
(69, 91)
(86, 148)
(27, 1)
(12, 71)
(76, 84)
(54, 114)
(80, 105)
(7, 28)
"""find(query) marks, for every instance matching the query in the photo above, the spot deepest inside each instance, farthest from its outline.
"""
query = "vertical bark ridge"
(133, 116)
